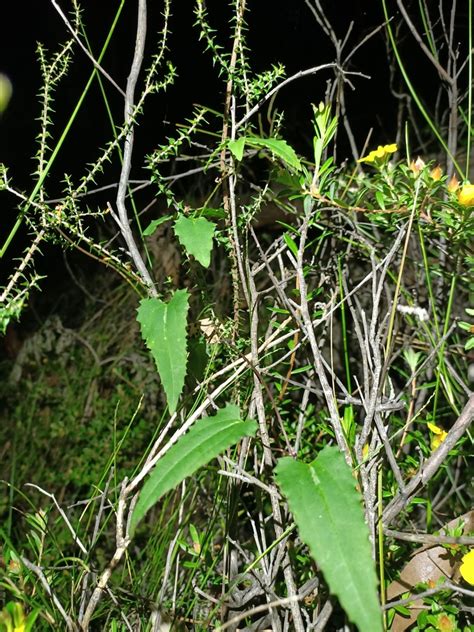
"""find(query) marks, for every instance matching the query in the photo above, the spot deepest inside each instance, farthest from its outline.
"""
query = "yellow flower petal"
(380, 153)
(439, 435)
(467, 567)
(466, 195)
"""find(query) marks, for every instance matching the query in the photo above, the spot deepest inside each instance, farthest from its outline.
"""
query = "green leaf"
(327, 510)
(237, 147)
(195, 235)
(469, 344)
(152, 226)
(207, 439)
(278, 147)
(379, 196)
(163, 327)
(290, 242)
(212, 213)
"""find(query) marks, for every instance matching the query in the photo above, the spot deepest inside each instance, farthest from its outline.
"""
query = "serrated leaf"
(237, 147)
(153, 225)
(327, 510)
(278, 147)
(195, 234)
(207, 439)
(163, 327)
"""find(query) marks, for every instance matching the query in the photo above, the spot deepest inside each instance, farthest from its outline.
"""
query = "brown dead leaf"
(428, 564)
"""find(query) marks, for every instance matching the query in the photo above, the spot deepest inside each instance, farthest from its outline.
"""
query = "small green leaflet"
(237, 147)
(278, 147)
(163, 327)
(327, 510)
(152, 226)
(208, 438)
(195, 235)
(290, 242)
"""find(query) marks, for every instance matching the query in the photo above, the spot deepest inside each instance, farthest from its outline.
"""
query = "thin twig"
(428, 538)
(73, 32)
(44, 582)
(124, 223)
(431, 466)
(285, 82)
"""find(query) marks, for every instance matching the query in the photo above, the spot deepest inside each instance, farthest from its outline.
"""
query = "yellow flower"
(466, 195)
(439, 435)
(467, 567)
(379, 154)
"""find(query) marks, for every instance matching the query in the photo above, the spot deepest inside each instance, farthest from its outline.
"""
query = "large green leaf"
(163, 327)
(195, 234)
(207, 439)
(327, 510)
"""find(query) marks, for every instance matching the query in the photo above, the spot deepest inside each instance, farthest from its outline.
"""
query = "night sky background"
(279, 31)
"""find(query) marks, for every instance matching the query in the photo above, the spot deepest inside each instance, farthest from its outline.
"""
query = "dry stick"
(268, 456)
(323, 617)
(237, 254)
(229, 206)
(428, 538)
(450, 78)
(122, 542)
(291, 366)
(123, 221)
(431, 466)
(95, 536)
(75, 537)
(73, 32)
(256, 610)
(39, 573)
(151, 462)
(427, 593)
(307, 327)
(297, 75)
(338, 86)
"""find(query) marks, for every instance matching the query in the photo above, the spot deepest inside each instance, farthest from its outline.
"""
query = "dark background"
(279, 31)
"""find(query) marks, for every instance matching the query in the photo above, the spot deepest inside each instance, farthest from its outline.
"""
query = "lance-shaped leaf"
(278, 147)
(195, 235)
(207, 439)
(153, 225)
(163, 327)
(328, 513)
